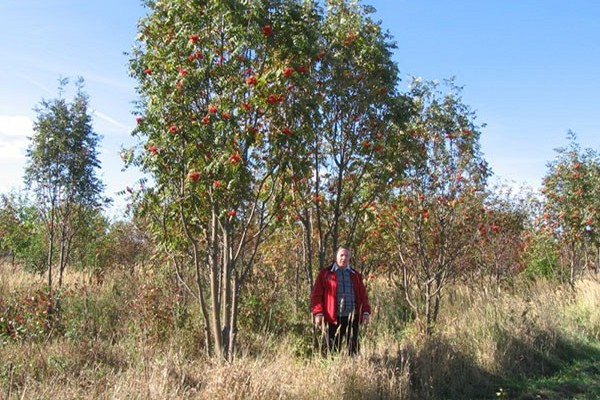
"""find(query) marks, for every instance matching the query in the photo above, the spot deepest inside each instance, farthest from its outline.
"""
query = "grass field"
(129, 338)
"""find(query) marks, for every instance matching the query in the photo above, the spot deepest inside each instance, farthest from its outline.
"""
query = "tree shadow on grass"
(538, 369)
(570, 370)
(439, 371)
(432, 369)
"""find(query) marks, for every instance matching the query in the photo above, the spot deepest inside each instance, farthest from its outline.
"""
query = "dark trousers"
(345, 333)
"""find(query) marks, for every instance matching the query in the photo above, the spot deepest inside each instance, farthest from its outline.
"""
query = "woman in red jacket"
(339, 299)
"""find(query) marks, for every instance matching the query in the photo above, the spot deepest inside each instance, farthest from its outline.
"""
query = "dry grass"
(14, 279)
(107, 351)
(533, 329)
(72, 372)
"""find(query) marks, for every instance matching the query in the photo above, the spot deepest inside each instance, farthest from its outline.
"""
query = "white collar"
(335, 267)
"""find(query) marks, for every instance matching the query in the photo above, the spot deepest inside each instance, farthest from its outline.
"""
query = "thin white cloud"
(111, 120)
(38, 84)
(105, 80)
(14, 133)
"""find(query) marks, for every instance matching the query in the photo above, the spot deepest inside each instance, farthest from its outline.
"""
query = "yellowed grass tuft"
(14, 278)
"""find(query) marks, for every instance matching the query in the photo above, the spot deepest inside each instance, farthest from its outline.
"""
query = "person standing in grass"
(339, 300)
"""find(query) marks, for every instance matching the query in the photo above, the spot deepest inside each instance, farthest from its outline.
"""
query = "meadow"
(130, 336)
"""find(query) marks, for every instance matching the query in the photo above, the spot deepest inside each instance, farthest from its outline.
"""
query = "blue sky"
(529, 69)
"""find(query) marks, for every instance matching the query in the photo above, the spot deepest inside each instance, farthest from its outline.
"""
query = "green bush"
(542, 258)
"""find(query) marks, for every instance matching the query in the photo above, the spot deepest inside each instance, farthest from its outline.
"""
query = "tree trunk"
(319, 222)
(428, 300)
(225, 295)
(65, 249)
(572, 266)
(307, 254)
(202, 301)
(50, 253)
(233, 322)
(214, 287)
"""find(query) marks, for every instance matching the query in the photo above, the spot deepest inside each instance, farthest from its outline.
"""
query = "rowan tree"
(62, 160)
(541, 250)
(430, 217)
(224, 98)
(503, 223)
(357, 128)
(572, 208)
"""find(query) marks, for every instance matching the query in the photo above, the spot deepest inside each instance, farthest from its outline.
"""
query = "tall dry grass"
(168, 376)
(124, 339)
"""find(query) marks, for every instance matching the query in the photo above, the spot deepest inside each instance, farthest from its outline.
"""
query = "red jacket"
(322, 296)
